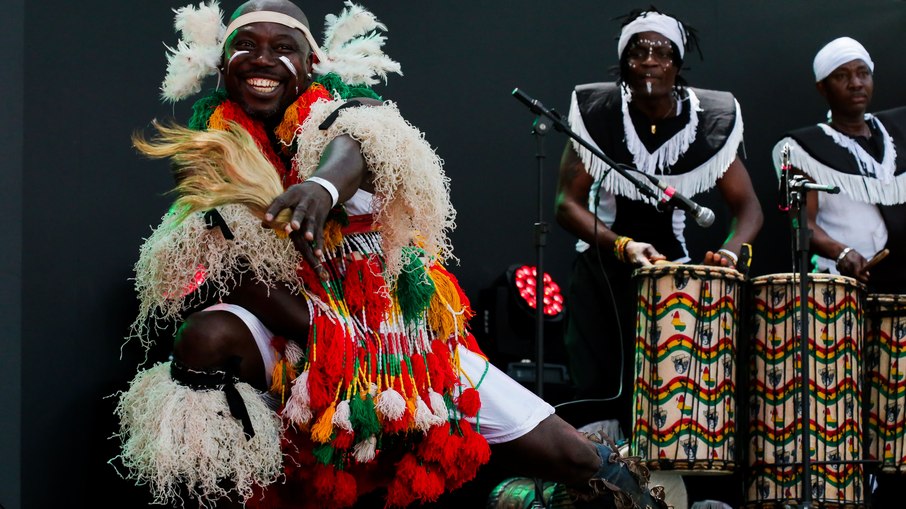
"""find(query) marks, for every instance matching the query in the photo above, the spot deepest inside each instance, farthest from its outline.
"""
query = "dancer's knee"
(214, 340)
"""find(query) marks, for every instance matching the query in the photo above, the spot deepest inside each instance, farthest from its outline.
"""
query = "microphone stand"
(798, 187)
(540, 127)
(542, 124)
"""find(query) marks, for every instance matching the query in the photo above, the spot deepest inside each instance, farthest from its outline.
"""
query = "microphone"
(533, 104)
(702, 215)
(784, 202)
(809, 186)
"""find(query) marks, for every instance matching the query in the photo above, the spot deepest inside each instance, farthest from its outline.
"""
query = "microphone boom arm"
(536, 107)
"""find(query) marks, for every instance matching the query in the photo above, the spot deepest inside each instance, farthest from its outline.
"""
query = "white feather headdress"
(197, 53)
(352, 49)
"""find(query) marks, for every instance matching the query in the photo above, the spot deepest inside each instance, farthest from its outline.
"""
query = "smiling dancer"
(337, 361)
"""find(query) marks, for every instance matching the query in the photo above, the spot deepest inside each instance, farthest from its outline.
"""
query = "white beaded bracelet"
(842, 255)
(326, 184)
(730, 254)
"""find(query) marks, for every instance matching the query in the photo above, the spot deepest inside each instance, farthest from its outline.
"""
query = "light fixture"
(524, 281)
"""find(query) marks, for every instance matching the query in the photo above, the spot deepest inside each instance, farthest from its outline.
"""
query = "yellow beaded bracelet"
(619, 247)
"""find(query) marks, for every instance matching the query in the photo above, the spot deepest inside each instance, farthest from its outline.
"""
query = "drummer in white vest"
(864, 155)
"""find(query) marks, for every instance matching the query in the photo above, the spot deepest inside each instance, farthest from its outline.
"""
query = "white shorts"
(508, 410)
(262, 335)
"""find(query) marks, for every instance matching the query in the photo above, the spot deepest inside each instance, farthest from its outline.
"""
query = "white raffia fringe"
(353, 47)
(412, 193)
(172, 256)
(178, 440)
(670, 151)
(884, 170)
(857, 187)
(690, 183)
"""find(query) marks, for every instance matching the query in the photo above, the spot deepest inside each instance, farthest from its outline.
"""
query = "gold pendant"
(653, 128)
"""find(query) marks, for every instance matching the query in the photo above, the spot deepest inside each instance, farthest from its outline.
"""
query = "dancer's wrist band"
(326, 184)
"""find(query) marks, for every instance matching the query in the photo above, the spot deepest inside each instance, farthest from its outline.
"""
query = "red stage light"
(524, 281)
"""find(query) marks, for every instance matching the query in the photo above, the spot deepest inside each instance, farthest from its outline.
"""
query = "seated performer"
(688, 138)
(860, 153)
(336, 361)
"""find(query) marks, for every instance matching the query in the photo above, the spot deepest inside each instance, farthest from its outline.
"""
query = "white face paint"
(648, 87)
(236, 54)
(289, 65)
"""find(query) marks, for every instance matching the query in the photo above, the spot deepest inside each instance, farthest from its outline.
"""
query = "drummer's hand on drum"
(716, 259)
(853, 265)
(642, 253)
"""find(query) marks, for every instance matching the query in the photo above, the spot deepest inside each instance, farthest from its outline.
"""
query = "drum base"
(702, 467)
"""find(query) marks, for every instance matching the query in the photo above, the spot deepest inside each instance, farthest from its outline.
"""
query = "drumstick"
(880, 255)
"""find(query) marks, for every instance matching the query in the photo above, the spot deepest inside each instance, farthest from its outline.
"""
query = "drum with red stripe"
(834, 310)
(885, 361)
(685, 362)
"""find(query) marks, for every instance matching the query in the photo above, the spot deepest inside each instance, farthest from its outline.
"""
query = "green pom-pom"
(363, 416)
(204, 108)
(323, 453)
(334, 84)
(414, 288)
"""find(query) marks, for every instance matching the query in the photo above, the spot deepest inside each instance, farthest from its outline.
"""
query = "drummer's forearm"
(821, 242)
(584, 225)
(825, 245)
(743, 230)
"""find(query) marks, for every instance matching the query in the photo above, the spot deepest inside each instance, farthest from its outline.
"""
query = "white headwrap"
(273, 17)
(669, 27)
(838, 52)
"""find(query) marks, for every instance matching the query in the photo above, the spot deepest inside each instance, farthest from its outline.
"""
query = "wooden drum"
(835, 395)
(685, 366)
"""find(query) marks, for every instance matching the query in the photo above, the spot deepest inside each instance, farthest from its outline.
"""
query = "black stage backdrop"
(78, 200)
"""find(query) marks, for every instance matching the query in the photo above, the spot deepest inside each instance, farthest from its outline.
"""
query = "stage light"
(508, 329)
(524, 281)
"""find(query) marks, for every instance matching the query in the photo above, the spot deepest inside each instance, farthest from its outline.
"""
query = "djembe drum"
(685, 366)
(835, 395)
(885, 364)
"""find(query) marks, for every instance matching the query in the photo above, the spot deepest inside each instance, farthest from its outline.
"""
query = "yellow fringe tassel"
(333, 235)
(412, 406)
(216, 121)
(286, 131)
(440, 317)
(323, 429)
(282, 376)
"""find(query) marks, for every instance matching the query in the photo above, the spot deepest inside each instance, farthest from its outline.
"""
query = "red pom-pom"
(400, 425)
(311, 280)
(440, 446)
(469, 402)
(333, 488)
(414, 481)
(353, 287)
(472, 344)
(443, 354)
(475, 448)
(377, 302)
(420, 374)
(343, 440)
